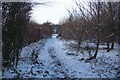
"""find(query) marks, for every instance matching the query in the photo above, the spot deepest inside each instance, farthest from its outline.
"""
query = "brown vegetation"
(97, 23)
(35, 32)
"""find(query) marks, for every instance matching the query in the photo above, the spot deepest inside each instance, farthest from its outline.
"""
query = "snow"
(0, 65)
(49, 58)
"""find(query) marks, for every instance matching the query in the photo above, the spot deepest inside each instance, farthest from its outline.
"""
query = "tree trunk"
(17, 59)
(112, 46)
(98, 30)
(97, 47)
(79, 44)
(108, 48)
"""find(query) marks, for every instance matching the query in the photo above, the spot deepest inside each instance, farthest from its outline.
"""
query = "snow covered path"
(48, 59)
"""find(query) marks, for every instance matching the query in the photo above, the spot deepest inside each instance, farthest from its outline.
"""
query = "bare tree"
(93, 21)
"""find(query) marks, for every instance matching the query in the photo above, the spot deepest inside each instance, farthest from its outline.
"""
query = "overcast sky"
(53, 12)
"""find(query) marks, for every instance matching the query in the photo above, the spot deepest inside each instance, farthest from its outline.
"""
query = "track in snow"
(51, 61)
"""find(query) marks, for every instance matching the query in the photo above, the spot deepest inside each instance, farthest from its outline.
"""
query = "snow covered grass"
(104, 66)
(52, 58)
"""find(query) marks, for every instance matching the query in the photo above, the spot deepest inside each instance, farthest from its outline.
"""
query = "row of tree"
(18, 30)
(96, 22)
(15, 16)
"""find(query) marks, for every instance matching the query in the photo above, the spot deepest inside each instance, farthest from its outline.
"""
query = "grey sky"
(56, 10)
(53, 12)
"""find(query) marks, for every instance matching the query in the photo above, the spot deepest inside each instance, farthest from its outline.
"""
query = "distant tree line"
(35, 32)
(97, 22)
